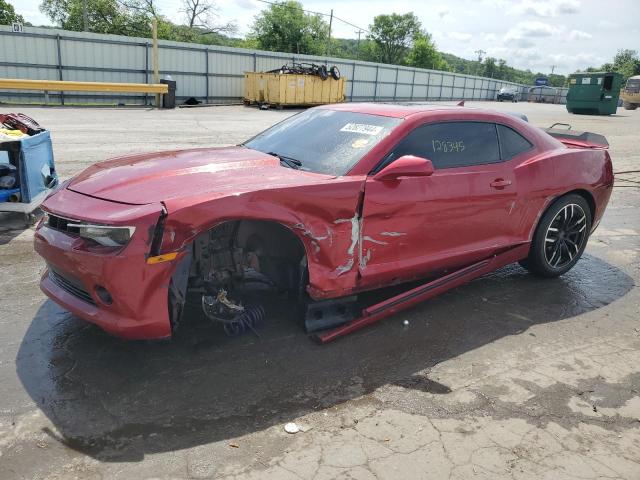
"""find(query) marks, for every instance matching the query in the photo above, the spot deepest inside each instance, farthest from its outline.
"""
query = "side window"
(512, 143)
(451, 144)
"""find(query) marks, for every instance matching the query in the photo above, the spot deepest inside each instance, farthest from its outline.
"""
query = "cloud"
(606, 24)
(463, 37)
(527, 34)
(247, 4)
(524, 34)
(579, 35)
(489, 37)
(567, 7)
(546, 9)
(442, 11)
(530, 54)
(585, 58)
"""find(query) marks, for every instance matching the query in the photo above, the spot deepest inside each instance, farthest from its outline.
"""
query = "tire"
(629, 106)
(322, 72)
(335, 73)
(560, 237)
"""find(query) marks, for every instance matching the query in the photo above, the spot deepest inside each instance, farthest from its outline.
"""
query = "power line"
(279, 4)
(352, 25)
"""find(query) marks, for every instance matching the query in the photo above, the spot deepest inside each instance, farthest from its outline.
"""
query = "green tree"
(394, 35)
(489, 68)
(424, 54)
(369, 51)
(502, 69)
(556, 80)
(104, 16)
(8, 14)
(285, 27)
(627, 63)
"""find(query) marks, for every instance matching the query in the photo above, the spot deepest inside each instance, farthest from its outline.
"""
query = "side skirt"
(407, 299)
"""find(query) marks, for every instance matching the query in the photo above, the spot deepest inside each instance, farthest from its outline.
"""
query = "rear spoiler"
(576, 139)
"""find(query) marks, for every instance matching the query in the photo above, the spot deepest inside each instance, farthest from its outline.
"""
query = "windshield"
(323, 141)
(633, 85)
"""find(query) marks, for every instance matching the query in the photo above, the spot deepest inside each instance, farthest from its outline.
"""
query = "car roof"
(404, 110)
(396, 110)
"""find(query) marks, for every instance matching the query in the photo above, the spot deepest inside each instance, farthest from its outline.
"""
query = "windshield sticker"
(362, 128)
(360, 143)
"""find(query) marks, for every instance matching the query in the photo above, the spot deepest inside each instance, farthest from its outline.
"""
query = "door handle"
(500, 183)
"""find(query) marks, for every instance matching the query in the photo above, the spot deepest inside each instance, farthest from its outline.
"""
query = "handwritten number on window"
(446, 146)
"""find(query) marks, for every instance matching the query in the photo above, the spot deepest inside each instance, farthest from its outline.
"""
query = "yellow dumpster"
(291, 89)
(255, 87)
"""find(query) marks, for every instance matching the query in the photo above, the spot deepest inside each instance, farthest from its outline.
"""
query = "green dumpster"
(594, 93)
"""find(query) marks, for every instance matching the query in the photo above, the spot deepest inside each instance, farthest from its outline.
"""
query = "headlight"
(106, 235)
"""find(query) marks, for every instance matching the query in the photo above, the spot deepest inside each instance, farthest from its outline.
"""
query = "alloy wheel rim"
(565, 236)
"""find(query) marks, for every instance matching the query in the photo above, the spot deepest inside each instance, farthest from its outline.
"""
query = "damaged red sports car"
(328, 204)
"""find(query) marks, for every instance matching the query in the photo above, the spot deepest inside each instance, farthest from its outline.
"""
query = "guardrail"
(70, 86)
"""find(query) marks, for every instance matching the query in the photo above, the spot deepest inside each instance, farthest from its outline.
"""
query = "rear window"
(512, 143)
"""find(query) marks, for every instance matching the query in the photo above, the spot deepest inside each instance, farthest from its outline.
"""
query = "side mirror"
(405, 166)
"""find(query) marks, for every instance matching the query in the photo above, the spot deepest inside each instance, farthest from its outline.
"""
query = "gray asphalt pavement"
(509, 377)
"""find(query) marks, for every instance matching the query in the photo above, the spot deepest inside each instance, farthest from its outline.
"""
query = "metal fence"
(212, 74)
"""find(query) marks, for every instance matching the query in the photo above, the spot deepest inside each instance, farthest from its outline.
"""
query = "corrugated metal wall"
(208, 73)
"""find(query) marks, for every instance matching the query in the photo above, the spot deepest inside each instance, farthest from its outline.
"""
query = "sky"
(567, 34)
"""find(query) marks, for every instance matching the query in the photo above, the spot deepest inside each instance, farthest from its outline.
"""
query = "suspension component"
(235, 318)
(252, 317)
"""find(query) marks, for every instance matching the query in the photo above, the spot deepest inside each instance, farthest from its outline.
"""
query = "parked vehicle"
(630, 94)
(543, 94)
(331, 202)
(509, 94)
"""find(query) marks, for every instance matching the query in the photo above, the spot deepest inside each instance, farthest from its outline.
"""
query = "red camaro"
(329, 203)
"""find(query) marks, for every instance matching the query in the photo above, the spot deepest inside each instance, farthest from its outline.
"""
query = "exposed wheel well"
(231, 252)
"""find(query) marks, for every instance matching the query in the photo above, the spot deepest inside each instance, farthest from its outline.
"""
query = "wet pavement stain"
(119, 400)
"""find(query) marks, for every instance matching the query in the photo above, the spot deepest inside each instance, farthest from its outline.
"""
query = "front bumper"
(139, 292)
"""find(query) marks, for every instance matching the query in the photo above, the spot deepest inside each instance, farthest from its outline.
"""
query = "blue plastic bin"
(33, 158)
(5, 194)
(37, 171)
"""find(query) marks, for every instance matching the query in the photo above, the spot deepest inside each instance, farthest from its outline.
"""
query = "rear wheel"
(629, 106)
(335, 73)
(560, 238)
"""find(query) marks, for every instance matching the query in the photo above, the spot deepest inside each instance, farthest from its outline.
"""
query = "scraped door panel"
(421, 225)
(417, 226)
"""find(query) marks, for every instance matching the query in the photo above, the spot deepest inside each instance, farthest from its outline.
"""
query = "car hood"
(154, 177)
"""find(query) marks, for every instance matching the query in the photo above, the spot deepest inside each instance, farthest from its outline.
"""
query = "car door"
(462, 213)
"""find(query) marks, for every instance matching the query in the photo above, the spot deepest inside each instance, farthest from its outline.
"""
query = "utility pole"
(85, 16)
(154, 56)
(479, 52)
(553, 67)
(329, 38)
(358, 45)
